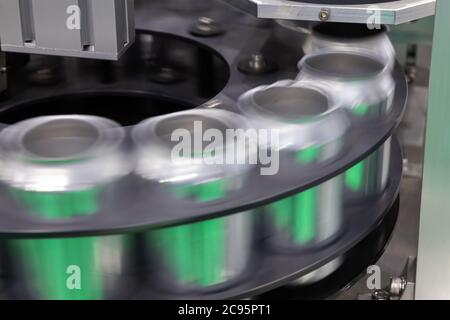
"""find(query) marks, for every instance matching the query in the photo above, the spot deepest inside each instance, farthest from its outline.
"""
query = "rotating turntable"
(170, 70)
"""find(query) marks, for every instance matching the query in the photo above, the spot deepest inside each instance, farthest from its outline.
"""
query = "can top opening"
(343, 65)
(346, 30)
(60, 138)
(292, 103)
(193, 124)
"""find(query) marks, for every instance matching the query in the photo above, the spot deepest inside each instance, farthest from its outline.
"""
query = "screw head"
(207, 27)
(397, 286)
(165, 74)
(381, 295)
(324, 14)
(257, 64)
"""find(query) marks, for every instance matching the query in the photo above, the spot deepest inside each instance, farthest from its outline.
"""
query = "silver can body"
(313, 130)
(90, 268)
(351, 37)
(369, 177)
(206, 255)
(201, 257)
(57, 169)
(367, 90)
(363, 83)
(307, 220)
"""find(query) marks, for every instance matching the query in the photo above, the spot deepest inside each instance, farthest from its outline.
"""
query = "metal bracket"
(395, 12)
(101, 29)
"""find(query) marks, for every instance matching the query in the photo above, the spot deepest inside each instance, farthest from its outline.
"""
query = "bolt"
(397, 286)
(44, 76)
(165, 74)
(381, 295)
(257, 64)
(3, 70)
(207, 27)
(324, 15)
(212, 104)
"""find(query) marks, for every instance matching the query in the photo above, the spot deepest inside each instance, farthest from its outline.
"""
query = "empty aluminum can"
(366, 87)
(57, 168)
(311, 129)
(351, 37)
(206, 255)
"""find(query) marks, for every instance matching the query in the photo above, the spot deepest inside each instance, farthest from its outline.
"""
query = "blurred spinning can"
(211, 254)
(366, 87)
(58, 168)
(351, 37)
(312, 130)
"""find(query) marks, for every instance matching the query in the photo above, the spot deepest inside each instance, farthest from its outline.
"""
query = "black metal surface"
(369, 227)
(88, 87)
(365, 253)
(271, 270)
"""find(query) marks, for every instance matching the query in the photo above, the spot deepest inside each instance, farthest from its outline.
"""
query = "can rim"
(154, 153)
(380, 68)
(101, 162)
(322, 129)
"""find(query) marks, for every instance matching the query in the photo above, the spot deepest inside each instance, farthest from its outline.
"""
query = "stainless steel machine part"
(394, 12)
(433, 272)
(100, 29)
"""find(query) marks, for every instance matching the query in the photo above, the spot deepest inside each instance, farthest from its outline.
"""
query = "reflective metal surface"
(433, 272)
(351, 37)
(61, 153)
(395, 12)
(162, 146)
(92, 268)
(201, 257)
(362, 82)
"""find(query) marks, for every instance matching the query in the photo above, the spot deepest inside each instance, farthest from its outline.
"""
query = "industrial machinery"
(301, 177)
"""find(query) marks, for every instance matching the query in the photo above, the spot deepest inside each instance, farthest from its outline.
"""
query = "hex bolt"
(207, 27)
(397, 286)
(165, 74)
(324, 14)
(44, 76)
(256, 64)
(381, 295)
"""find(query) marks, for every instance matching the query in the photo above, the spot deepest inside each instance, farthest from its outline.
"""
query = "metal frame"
(433, 263)
(395, 12)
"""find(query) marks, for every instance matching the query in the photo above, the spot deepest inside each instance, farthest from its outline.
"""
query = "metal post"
(433, 269)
